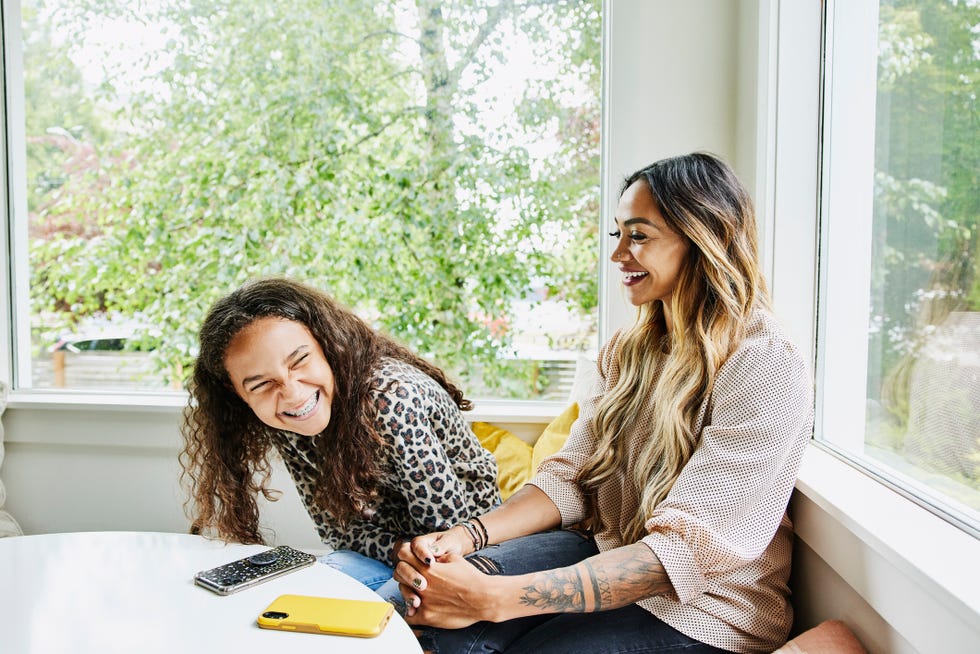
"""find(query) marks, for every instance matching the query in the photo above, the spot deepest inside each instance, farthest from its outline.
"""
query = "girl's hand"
(449, 593)
(393, 554)
(438, 545)
(419, 554)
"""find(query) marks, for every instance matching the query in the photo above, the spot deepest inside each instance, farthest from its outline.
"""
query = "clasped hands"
(440, 588)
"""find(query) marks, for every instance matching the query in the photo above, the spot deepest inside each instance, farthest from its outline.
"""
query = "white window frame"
(632, 136)
(847, 202)
(13, 277)
(636, 32)
(15, 341)
(883, 545)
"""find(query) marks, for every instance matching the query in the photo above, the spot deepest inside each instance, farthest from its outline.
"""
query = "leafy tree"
(927, 209)
(327, 140)
(62, 125)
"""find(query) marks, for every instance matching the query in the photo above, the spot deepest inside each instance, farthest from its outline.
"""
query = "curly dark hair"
(225, 458)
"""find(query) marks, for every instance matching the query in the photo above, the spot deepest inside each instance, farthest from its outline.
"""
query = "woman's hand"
(527, 511)
(449, 592)
(419, 555)
(453, 593)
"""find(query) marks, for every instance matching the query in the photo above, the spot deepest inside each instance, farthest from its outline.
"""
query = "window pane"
(923, 418)
(434, 165)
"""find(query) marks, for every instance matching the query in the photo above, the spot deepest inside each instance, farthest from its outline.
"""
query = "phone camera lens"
(275, 615)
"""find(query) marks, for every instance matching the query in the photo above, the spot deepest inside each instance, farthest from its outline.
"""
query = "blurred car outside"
(78, 343)
(103, 356)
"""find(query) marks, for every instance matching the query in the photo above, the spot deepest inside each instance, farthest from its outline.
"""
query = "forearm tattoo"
(601, 590)
(558, 591)
(626, 575)
(606, 581)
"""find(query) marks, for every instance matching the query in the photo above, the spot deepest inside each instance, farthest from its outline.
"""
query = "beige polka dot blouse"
(722, 532)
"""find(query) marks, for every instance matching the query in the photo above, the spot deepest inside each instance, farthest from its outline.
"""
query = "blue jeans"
(370, 572)
(627, 629)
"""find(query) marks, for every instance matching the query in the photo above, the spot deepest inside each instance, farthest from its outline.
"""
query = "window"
(434, 165)
(900, 255)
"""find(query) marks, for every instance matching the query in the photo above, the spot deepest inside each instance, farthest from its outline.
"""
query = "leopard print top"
(434, 474)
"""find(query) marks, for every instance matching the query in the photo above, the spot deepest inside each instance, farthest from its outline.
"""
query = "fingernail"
(417, 583)
(415, 602)
(428, 561)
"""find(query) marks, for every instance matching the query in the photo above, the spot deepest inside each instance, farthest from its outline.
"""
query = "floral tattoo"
(606, 581)
(559, 590)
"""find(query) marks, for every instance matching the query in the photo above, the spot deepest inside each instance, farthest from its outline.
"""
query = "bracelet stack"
(477, 533)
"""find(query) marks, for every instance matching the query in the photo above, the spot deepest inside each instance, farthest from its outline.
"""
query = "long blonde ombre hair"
(720, 283)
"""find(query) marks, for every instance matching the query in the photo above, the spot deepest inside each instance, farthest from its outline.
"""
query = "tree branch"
(494, 16)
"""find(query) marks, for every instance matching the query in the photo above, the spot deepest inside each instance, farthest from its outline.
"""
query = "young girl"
(372, 435)
(680, 467)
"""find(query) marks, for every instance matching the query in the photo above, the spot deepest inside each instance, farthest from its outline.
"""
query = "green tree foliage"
(332, 141)
(62, 126)
(927, 209)
(926, 226)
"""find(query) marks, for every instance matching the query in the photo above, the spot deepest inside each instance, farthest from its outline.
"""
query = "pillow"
(512, 454)
(586, 381)
(554, 436)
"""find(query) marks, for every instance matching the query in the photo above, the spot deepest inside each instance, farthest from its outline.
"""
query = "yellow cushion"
(513, 456)
(553, 436)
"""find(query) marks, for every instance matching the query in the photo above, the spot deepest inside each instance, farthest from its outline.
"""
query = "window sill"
(161, 401)
(522, 411)
(911, 566)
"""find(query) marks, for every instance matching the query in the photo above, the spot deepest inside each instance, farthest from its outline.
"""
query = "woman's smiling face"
(278, 368)
(649, 252)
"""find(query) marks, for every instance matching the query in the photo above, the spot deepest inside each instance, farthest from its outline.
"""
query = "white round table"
(132, 592)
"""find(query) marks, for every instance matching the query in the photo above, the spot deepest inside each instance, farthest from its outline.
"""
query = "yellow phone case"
(326, 615)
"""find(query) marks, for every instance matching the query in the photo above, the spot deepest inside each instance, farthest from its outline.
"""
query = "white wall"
(85, 470)
(674, 88)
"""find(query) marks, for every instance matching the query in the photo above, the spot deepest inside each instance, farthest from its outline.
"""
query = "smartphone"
(327, 615)
(245, 573)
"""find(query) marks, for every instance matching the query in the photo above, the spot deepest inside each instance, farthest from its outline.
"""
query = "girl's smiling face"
(278, 368)
(649, 252)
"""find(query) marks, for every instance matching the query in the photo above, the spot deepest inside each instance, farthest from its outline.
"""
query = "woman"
(678, 470)
(372, 435)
